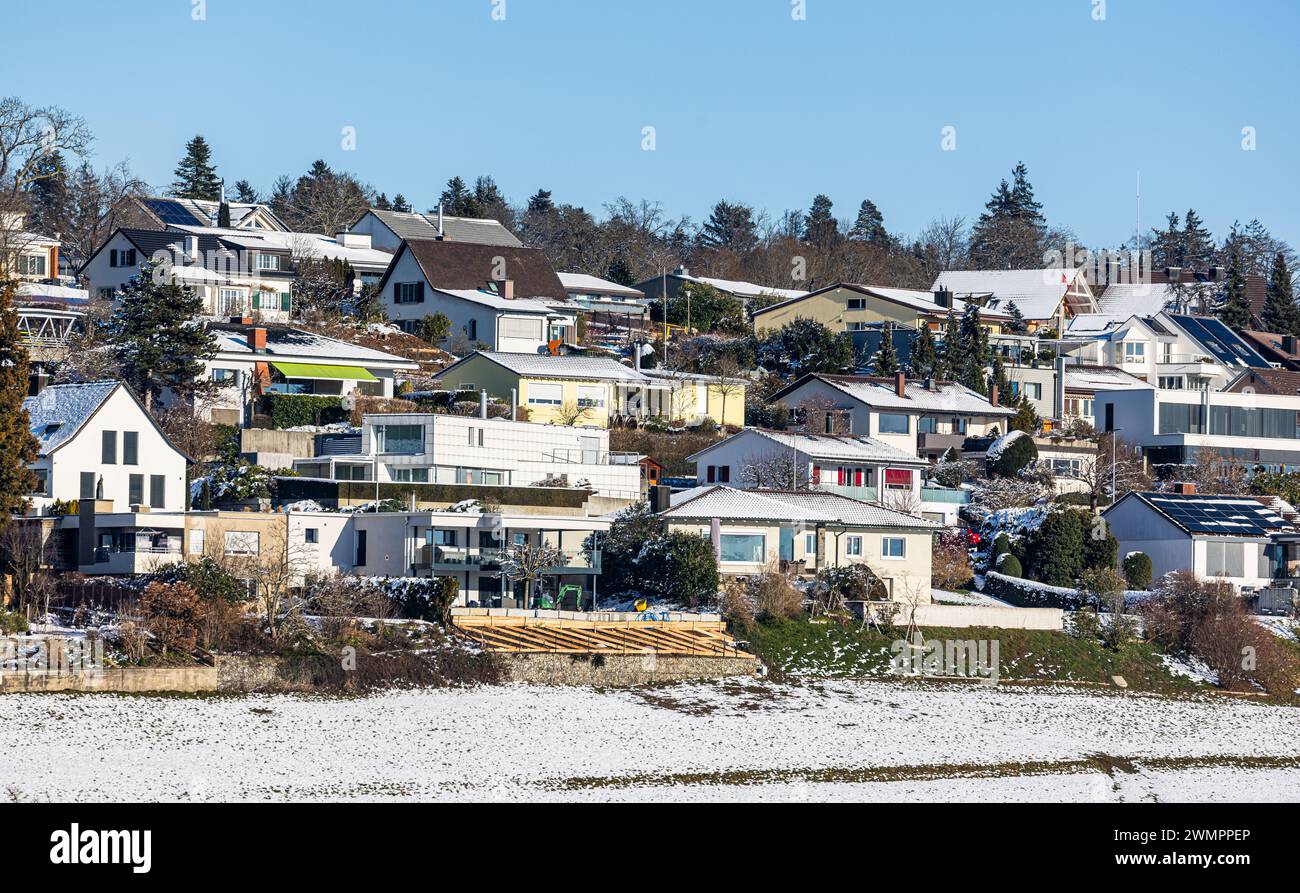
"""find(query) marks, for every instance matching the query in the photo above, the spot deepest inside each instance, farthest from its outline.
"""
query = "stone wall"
(619, 671)
(125, 680)
(245, 673)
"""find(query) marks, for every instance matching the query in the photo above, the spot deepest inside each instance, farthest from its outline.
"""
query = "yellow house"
(596, 391)
(845, 307)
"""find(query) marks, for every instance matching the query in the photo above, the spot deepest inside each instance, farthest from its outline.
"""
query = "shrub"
(1009, 565)
(1017, 454)
(1001, 546)
(300, 410)
(852, 583)
(1056, 548)
(1137, 570)
(428, 598)
(680, 567)
(12, 623)
(774, 597)
(1099, 545)
(951, 568)
(173, 614)
(208, 578)
(1104, 588)
(738, 606)
(707, 426)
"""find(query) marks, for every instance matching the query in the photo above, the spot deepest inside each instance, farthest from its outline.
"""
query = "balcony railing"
(576, 456)
(462, 558)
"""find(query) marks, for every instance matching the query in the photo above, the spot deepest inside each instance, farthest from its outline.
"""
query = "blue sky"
(747, 103)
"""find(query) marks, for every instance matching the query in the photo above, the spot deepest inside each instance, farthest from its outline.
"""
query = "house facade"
(389, 229)
(845, 307)
(1047, 299)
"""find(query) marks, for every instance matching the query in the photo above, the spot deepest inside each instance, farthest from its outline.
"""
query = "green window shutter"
(285, 298)
(257, 300)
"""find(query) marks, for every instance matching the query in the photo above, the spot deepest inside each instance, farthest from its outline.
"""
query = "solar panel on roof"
(171, 212)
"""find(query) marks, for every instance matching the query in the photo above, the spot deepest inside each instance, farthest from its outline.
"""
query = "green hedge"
(297, 410)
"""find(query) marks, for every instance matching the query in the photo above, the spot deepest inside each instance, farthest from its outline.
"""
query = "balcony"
(460, 558)
(140, 560)
(940, 441)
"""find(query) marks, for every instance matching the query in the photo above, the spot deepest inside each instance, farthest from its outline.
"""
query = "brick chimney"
(506, 288)
(1186, 489)
(257, 340)
(993, 395)
(900, 384)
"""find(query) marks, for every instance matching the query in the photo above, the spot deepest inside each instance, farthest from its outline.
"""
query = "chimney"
(930, 384)
(900, 384)
(1216, 273)
(506, 288)
(681, 271)
(1174, 274)
(943, 297)
(440, 229)
(661, 498)
(257, 340)
(482, 403)
(993, 395)
(636, 356)
(1186, 489)
(192, 247)
(1289, 344)
(54, 263)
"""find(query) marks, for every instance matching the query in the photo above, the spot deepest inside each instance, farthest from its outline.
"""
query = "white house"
(434, 448)
(255, 360)
(97, 442)
(854, 466)
(754, 530)
(355, 249)
(506, 298)
(922, 418)
(1046, 298)
(1218, 537)
(389, 229)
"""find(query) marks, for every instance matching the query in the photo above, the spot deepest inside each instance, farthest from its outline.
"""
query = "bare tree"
(24, 550)
(274, 571)
(530, 564)
(727, 382)
(775, 471)
(572, 414)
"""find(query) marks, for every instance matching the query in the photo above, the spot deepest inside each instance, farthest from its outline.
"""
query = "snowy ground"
(734, 741)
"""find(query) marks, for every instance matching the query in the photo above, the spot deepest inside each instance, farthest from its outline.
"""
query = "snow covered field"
(734, 741)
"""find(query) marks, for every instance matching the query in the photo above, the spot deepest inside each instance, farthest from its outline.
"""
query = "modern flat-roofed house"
(504, 297)
(389, 229)
(857, 467)
(845, 307)
(255, 360)
(924, 418)
(1047, 298)
(1214, 537)
(596, 391)
(670, 283)
(97, 442)
(755, 530)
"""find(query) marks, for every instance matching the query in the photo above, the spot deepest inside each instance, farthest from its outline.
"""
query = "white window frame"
(546, 388)
(853, 546)
(238, 543)
(885, 548)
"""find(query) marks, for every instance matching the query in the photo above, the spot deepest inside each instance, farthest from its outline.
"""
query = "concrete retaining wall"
(126, 680)
(619, 671)
(300, 444)
(966, 616)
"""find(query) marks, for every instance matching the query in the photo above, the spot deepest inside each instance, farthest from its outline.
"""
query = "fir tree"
(1280, 314)
(619, 272)
(1197, 243)
(819, 226)
(223, 215)
(870, 225)
(1017, 326)
(954, 350)
(1235, 310)
(400, 204)
(1010, 232)
(1167, 244)
(886, 362)
(382, 203)
(541, 203)
(17, 445)
(196, 175)
(245, 193)
(157, 338)
(924, 359)
(975, 343)
(458, 201)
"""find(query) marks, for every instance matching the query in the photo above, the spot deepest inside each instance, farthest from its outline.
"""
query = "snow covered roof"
(58, 412)
(1101, 378)
(921, 301)
(410, 226)
(283, 343)
(826, 446)
(1123, 300)
(879, 393)
(569, 367)
(583, 283)
(41, 291)
(496, 302)
(1214, 515)
(300, 244)
(727, 503)
(747, 289)
(1036, 293)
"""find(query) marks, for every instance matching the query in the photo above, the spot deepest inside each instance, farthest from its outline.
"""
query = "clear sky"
(747, 102)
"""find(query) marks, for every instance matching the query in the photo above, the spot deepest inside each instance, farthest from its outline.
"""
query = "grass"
(812, 649)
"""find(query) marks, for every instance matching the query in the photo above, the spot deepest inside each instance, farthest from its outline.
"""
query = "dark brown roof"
(1271, 347)
(466, 266)
(1266, 381)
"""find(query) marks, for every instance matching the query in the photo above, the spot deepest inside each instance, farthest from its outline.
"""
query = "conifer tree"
(196, 175)
(1197, 243)
(924, 359)
(1235, 311)
(975, 343)
(157, 337)
(1017, 326)
(954, 350)
(886, 362)
(17, 445)
(244, 192)
(820, 228)
(1280, 314)
(870, 225)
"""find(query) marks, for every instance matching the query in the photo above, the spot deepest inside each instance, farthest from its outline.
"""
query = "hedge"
(1026, 594)
(299, 410)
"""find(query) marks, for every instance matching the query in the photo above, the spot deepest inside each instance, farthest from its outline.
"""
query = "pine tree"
(223, 215)
(954, 349)
(400, 204)
(245, 193)
(730, 226)
(541, 203)
(1197, 243)
(819, 227)
(157, 338)
(1280, 314)
(17, 445)
(1235, 310)
(51, 203)
(196, 175)
(1167, 244)
(870, 225)
(1010, 232)
(382, 203)
(924, 359)
(1017, 326)
(886, 362)
(458, 201)
(975, 343)
(618, 272)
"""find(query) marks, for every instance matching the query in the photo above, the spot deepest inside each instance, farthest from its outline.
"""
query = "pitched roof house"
(389, 229)
(846, 307)
(1046, 298)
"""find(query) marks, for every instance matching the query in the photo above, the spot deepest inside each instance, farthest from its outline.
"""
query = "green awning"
(316, 370)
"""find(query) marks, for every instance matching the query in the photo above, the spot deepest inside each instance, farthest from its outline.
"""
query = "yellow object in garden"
(641, 604)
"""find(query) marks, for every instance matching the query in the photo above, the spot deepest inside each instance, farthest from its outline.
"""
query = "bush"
(851, 583)
(1017, 454)
(1137, 570)
(12, 623)
(681, 568)
(173, 614)
(774, 597)
(1056, 548)
(1001, 546)
(428, 598)
(1008, 565)
(951, 568)
(300, 410)
(210, 580)
(1104, 588)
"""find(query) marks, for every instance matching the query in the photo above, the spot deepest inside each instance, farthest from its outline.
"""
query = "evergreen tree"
(619, 272)
(886, 362)
(1010, 232)
(924, 359)
(1235, 310)
(245, 193)
(540, 203)
(196, 175)
(400, 204)
(223, 215)
(382, 203)
(954, 349)
(17, 445)
(458, 201)
(1197, 243)
(50, 202)
(157, 338)
(998, 378)
(819, 226)
(1017, 326)
(870, 225)
(1280, 314)
(730, 226)
(1167, 244)
(975, 343)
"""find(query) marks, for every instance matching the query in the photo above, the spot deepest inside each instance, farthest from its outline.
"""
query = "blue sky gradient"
(747, 103)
